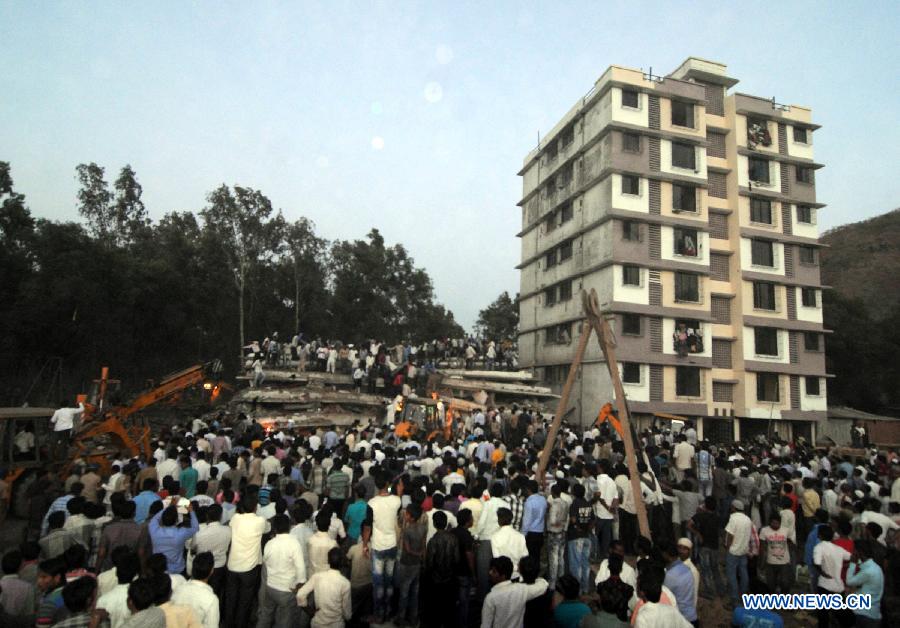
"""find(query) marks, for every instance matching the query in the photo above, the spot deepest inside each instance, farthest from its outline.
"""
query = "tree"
(94, 201)
(304, 255)
(16, 257)
(240, 221)
(129, 216)
(499, 320)
(379, 293)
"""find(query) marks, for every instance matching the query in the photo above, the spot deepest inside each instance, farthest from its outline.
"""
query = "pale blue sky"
(291, 98)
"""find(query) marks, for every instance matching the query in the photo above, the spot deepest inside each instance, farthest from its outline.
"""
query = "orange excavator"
(608, 414)
(103, 419)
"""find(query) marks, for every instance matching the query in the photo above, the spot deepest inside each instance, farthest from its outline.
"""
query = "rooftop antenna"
(649, 76)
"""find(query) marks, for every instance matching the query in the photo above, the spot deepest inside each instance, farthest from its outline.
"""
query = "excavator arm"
(113, 422)
(607, 414)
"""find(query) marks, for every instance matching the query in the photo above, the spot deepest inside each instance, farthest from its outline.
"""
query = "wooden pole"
(563, 402)
(607, 345)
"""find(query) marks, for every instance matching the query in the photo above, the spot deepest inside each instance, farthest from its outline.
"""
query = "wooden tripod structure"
(594, 321)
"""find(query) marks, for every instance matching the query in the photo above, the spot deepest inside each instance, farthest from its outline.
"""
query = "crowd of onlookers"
(335, 356)
(232, 524)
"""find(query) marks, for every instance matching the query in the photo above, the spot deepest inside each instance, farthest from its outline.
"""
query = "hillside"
(863, 261)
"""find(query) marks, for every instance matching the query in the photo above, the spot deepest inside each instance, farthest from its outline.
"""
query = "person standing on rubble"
(63, 421)
(258, 375)
(302, 358)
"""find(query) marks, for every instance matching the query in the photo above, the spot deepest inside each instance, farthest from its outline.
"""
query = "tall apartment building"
(692, 212)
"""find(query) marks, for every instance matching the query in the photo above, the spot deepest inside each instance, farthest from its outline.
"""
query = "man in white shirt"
(438, 502)
(285, 570)
(504, 606)
(871, 515)
(320, 544)
(507, 541)
(63, 421)
(379, 537)
(332, 591)
(24, 443)
(215, 538)
(168, 467)
(653, 613)
(683, 453)
(607, 500)
(197, 594)
(243, 563)
(628, 574)
(737, 542)
(270, 464)
(484, 529)
(202, 467)
(829, 559)
(115, 603)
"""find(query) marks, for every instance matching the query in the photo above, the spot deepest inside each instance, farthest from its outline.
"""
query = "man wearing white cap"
(685, 546)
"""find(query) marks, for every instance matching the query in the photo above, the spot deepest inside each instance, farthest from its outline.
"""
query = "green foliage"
(94, 200)
(499, 320)
(146, 298)
(379, 293)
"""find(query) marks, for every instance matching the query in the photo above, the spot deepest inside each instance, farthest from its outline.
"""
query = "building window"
(766, 341)
(631, 373)
(762, 253)
(804, 214)
(550, 296)
(767, 387)
(567, 136)
(631, 142)
(550, 223)
(684, 198)
(683, 156)
(556, 374)
(687, 381)
(804, 175)
(801, 135)
(811, 341)
(682, 114)
(630, 98)
(758, 170)
(565, 251)
(631, 275)
(812, 386)
(685, 242)
(808, 297)
(559, 334)
(761, 211)
(763, 295)
(631, 230)
(631, 324)
(631, 184)
(550, 152)
(550, 259)
(565, 291)
(807, 255)
(687, 287)
(688, 337)
(565, 213)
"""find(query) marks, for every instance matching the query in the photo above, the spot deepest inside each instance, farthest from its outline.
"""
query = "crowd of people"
(235, 524)
(335, 356)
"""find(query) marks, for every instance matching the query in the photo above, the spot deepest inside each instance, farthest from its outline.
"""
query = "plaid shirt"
(517, 506)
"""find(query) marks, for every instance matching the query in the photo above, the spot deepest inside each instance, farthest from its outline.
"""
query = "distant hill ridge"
(862, 261)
